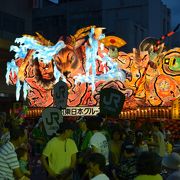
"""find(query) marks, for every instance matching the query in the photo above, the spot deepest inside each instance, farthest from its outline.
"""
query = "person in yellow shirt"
(148, 166)
(60, 151)
(169, 147)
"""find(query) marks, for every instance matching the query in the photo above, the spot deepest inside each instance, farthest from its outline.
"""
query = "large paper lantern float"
(88, 62)
(154, 82)
(83, 64)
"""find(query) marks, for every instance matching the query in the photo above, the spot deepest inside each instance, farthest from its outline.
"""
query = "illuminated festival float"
(89, 61)
(148, 76)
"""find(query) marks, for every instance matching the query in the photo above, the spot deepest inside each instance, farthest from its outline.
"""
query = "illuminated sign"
(111, 102)
(80, 111)
(52, 117)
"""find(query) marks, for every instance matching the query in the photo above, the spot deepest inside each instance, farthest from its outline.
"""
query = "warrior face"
(46, 70)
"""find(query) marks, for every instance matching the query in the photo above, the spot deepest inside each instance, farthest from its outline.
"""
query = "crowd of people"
(90, 148)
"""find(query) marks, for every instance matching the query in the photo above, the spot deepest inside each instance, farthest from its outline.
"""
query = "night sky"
(174, 5)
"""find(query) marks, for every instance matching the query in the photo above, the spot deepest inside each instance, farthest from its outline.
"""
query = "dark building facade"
(15, 20)
(128, 19)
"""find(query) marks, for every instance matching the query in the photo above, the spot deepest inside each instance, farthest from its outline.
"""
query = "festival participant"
(22, 155)
(4, 132)
(148, 166)
(158, 140)
(105, 129)
(127, 168)
(126, 124)
(83, 135)
(115, 146)
(98, 142)
(129, 137)
(96, 166)
(60, 151)
(140, 142)
(9, 165)
(171, 165)
(39, 137)
(4, 135)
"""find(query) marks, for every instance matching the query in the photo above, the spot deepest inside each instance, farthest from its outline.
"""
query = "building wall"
(69, 16)
(174, 41)
(15, 20)
(159, 18)
(129, 19)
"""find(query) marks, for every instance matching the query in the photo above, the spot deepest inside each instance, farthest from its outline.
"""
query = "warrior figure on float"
(147, 76)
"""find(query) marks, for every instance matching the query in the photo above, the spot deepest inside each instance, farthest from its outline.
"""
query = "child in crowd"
(22, 155)
(96, 165)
